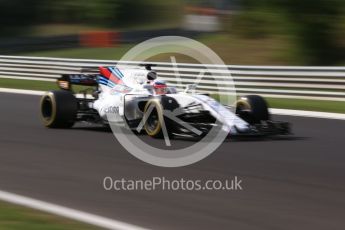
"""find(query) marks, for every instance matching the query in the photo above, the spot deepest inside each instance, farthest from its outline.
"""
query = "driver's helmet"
(160, 87)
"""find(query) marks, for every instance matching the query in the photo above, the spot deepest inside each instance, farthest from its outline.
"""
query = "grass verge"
(27, 84)
(299, 104)
(310, 105)
(13, 217)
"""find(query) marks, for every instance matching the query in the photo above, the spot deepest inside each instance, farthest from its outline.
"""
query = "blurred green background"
(242, 32)
(271, 32)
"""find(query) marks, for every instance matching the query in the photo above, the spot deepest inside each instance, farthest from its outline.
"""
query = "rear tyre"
(253, 109)
(58, 109)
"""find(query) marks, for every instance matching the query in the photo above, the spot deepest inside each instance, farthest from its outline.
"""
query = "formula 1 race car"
(135, 97)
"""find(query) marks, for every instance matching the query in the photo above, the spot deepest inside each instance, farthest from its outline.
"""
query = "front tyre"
(253, 109)
(58, 109)
(154, 118)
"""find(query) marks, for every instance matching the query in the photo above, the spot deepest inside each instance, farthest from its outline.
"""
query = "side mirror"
(190, 87)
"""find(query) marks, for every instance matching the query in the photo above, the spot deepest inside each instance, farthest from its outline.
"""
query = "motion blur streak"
(290, 183)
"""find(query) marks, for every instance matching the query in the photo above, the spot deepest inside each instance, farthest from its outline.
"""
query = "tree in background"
(315, 28)
(16, 15)
(312, 26)
(95, 12)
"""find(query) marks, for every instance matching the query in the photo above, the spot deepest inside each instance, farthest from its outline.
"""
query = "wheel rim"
(152, 121)
(153, 124)
(243, 106)
(47, 108)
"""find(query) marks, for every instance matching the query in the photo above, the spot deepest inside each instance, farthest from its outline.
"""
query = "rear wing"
(67, 80)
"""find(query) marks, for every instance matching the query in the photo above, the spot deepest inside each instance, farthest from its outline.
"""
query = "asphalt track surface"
(292, 183)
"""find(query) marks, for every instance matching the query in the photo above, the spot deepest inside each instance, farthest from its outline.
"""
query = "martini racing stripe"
(110, 84)
(116, 71)
(105, 81)
(109, 74)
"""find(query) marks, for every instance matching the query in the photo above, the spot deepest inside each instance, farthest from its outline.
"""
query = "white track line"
(21, 91)
(287, 112)
(67, 212)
